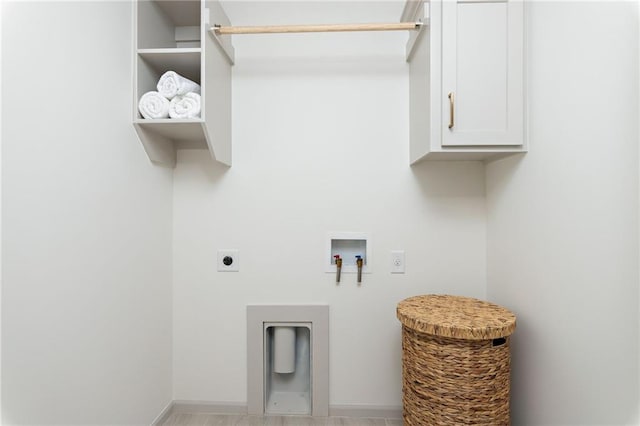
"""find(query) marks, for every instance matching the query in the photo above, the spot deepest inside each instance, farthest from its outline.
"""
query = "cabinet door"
(482, 73)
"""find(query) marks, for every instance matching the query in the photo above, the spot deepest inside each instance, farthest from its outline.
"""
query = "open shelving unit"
(207, 60)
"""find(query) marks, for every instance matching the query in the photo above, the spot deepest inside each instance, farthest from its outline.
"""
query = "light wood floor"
(186, 419)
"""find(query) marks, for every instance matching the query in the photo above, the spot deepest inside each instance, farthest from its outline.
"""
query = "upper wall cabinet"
(173, 35)
(466, 79)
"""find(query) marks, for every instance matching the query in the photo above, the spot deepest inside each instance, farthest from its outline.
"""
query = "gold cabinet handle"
(451, 110)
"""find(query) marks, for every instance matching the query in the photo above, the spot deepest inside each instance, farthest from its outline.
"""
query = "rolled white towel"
(153, 105)
(172, 84)
(186, 106)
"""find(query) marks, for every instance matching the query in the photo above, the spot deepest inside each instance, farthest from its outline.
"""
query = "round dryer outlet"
(228, 260)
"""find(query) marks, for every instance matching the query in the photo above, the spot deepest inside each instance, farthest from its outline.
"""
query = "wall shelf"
(179, 130)
(157, 50)
(184, 61)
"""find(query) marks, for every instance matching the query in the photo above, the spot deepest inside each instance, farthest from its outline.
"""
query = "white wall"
(0, 214)
(563, 220)
(86, 249)
(320, 128)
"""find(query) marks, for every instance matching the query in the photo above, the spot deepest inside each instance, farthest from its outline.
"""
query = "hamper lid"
(455, 316)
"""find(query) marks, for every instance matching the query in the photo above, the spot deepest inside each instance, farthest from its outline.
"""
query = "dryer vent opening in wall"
(288, 359)
(287, 368)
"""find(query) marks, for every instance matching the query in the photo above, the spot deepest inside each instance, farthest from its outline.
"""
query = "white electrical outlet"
(397, 261)
(228, 260)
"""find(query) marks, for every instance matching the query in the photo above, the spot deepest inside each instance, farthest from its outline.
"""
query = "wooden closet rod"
(276, 29)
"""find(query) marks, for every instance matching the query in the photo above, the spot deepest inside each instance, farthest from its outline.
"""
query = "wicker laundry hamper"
(455, 361)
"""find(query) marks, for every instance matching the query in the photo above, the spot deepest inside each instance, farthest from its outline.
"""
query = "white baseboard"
(366, 410)
(164, 415)
(213, 407)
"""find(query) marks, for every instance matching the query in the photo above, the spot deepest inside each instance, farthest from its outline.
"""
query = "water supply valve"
(338, 267)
